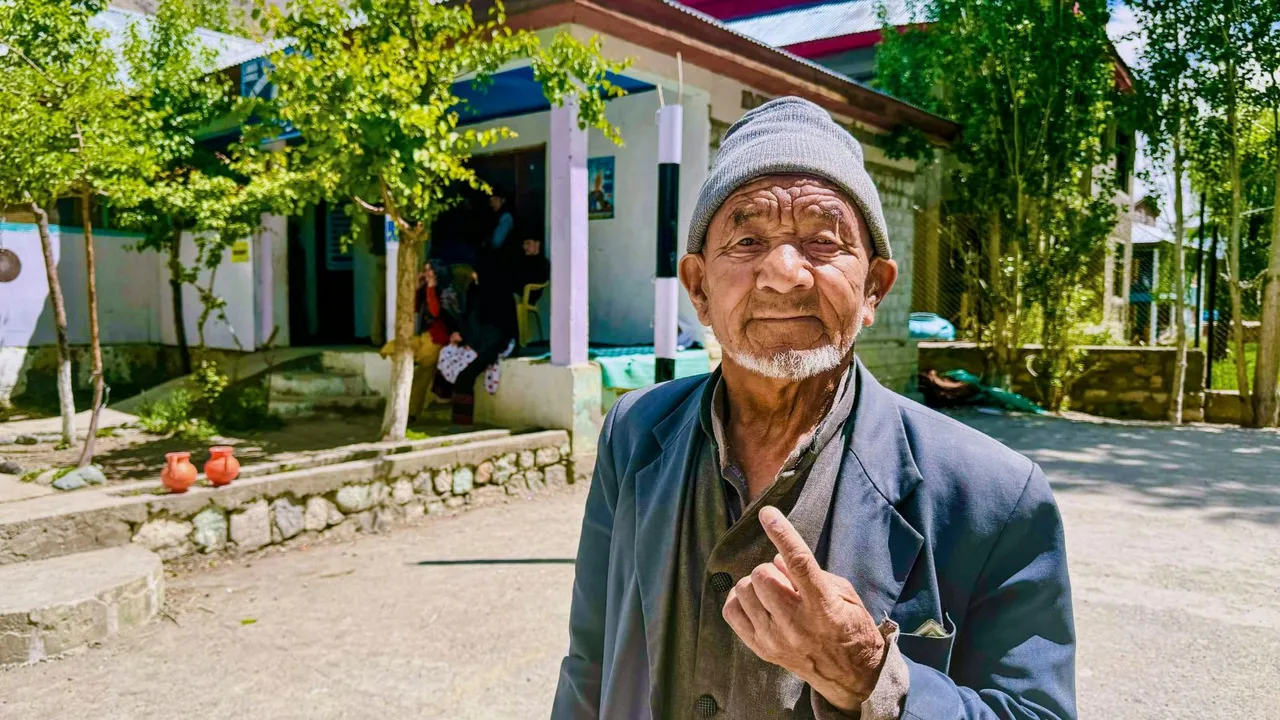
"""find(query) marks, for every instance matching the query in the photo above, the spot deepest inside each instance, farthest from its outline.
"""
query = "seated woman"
(431, 334)
(485, 331)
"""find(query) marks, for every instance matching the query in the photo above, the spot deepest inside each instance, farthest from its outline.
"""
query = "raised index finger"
(801, 564)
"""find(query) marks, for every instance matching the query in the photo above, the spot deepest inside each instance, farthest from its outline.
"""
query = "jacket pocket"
(931, 650)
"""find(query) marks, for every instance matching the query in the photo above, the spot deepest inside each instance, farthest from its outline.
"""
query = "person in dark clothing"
(487, 327)
(530, 267)
(504, 222)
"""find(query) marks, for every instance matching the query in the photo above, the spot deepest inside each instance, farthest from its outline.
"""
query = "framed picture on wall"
(600, 188)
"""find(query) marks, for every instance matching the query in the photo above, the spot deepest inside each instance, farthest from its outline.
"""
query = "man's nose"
(783, 270)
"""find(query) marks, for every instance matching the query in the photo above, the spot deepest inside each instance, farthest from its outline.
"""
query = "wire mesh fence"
(1121, 294)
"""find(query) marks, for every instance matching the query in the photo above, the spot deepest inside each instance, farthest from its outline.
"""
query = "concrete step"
(286, 406)
(48, 607)
(312, 384)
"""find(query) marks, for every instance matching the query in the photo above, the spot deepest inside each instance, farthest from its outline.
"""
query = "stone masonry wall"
(352, 498)
(1118, 382)
(886, 348)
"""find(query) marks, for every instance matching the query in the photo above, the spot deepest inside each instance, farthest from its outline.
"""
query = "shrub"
(210, 405)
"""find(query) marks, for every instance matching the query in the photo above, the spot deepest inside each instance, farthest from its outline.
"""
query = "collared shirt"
(710, 671)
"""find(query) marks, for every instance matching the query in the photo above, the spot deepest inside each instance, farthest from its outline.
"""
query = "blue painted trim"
(70, 230)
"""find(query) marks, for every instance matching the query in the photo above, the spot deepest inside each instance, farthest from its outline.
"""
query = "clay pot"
(178, 473)
(223, 467)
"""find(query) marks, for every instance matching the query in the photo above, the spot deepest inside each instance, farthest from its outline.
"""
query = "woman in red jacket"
(432, 333)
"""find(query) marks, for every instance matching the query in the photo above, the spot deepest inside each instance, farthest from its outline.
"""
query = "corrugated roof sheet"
(231, 50)
(729, 26)
(827, 20)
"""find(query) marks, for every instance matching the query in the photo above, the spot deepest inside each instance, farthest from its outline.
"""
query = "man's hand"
(796, 615)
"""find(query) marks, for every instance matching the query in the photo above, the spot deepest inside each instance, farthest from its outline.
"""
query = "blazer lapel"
(660, 491)
(870, 543)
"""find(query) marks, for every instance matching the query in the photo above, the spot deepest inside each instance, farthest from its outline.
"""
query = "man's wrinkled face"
(787, 276)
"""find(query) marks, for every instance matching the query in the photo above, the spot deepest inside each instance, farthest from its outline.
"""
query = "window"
(1124, 158)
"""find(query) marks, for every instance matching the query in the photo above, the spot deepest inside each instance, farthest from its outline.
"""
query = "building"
(843, 35)
(1152, 297)
(294, 285)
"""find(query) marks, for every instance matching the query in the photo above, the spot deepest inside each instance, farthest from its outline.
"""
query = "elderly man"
(786, 538)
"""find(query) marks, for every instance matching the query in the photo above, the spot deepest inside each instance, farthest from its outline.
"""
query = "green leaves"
(369, 86)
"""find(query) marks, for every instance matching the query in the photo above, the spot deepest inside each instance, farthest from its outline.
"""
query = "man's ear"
(693, 275)
(880, 279)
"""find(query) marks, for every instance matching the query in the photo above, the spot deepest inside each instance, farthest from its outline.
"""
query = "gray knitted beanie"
(789, 135)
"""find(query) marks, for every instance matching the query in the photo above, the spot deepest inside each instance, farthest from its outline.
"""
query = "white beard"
(793, 365)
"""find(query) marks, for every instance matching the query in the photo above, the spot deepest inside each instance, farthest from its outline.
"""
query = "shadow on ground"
(1233, 473)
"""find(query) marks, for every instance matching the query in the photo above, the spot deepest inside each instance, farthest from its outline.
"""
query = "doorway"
(325, 307)
(520, 176)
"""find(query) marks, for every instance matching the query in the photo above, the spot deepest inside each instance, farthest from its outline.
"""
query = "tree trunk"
(1000, 375)
(175, 285)
(395, 421)
(1233, 257)
(1179, 285)
(95, 339)
(66, 398)
(1268, 368)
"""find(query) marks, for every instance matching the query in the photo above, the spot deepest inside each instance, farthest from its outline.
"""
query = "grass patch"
(1224, 370)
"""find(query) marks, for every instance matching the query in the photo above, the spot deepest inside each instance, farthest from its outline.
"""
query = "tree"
(1032, 85)
(1170, 108)
(1225, 35)
(84, 135)
(46, 54)
(175, 78)
(1267, 371)
(193, 189)
(368, 85)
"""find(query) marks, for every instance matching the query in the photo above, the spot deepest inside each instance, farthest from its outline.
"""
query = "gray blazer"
(931, 520)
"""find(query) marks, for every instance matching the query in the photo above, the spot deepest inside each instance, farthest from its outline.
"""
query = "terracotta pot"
(178, 473)
(223, 467)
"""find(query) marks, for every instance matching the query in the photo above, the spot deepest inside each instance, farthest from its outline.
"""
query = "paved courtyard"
(1174, 542)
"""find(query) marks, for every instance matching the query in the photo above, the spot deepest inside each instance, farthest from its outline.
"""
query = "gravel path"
(1174, 541)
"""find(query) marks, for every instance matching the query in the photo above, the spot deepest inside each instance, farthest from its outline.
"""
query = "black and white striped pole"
(666, 288)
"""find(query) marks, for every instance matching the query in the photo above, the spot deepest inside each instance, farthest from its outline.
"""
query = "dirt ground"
(1173, 542)
(133, 454)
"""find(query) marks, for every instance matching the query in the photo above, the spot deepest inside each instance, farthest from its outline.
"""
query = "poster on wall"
(600, 192)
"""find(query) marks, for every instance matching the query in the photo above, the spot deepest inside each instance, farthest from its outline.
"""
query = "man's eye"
(748, 242)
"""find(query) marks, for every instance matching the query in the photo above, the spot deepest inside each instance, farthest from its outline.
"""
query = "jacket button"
(706, 707)
(721, 582)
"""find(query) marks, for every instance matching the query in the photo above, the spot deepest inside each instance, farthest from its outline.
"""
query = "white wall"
(234, 283)
(623, 249)
(134, 304)
(126, 283)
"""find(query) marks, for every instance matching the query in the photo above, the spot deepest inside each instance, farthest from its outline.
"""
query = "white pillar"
(273, 229)
(389, 280)
(567, 153)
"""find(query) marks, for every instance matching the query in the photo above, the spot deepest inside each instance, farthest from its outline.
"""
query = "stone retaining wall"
(1118, 382)
(353, 498)
(340, 500)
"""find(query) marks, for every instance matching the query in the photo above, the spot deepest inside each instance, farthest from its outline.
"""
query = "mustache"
(761, 305)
